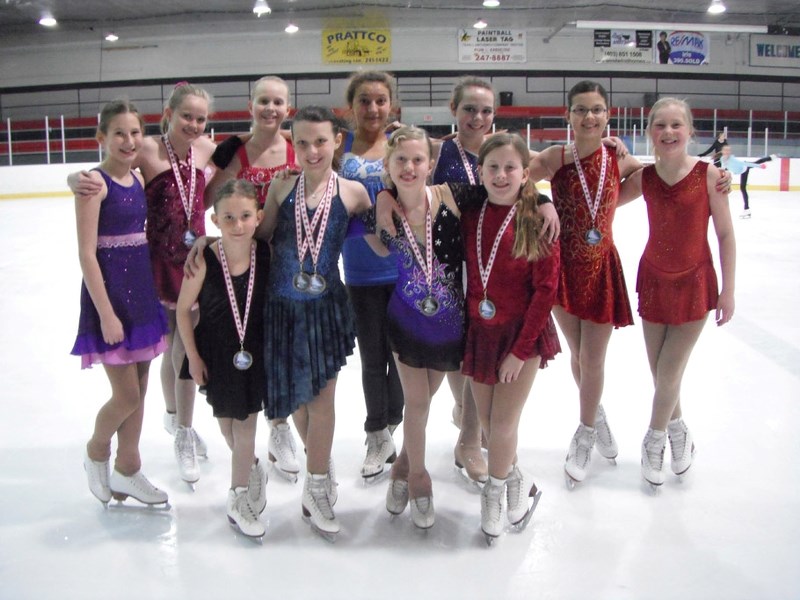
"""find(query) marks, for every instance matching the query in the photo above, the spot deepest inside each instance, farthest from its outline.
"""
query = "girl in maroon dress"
(512, 277)
(677, 283)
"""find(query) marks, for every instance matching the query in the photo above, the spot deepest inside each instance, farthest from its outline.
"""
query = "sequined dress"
(591, 283)
(450, 167)
(522, 292)
(124, 260)
(676, 281)
(436, 341)
(262, 176)
(232, 393)
(166, 226)
(306, 338)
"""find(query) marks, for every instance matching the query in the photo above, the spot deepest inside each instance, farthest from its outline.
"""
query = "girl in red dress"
(592, 297)
(677, 284)
(512, 277)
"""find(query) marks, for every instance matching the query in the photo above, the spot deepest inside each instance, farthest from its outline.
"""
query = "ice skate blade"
(328, 536)
(472, 483)
(652, 488)
(533, 501)
(121, 505)
(289, 476)
(370, 480)
(490, 539)
(258, 539)
(570, 481)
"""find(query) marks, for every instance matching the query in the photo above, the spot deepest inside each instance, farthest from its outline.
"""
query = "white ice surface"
(730, 530)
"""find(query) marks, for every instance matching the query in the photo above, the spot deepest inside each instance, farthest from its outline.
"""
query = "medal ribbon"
(486, 271)
(425, 264)
(465, 160)
(188, 201)
(241, 327)
(592, 206)
(304, 243)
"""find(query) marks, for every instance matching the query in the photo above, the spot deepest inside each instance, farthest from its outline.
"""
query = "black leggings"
(743, 181)
(383, 392)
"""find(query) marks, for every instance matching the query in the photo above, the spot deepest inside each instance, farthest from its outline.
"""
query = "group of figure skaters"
(453, 265)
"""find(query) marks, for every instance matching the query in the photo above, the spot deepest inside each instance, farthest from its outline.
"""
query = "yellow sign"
(358, 45)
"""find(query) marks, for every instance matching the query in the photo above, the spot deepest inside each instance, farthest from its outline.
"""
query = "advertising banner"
(358, 45)
(486, 46)
(775, 51)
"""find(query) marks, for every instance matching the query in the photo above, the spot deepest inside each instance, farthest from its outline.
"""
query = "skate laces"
(584, 442)
(604, 435)
(185, 445)
(677, 440)
(654, 451)
(243, 507)
(319, 494)
(492, 505)
(376, 448)
(283, 440)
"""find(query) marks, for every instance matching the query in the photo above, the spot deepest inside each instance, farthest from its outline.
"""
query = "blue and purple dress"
(124, 259)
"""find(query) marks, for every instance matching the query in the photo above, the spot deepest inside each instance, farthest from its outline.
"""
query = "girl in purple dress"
(122, 325)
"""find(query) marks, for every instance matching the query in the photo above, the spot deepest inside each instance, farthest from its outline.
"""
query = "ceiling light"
(671, 26)
(716, 7)
(491, 3)
(261, 8)
(48, 20)
(292, 28)
(480, 24)
(111, 37)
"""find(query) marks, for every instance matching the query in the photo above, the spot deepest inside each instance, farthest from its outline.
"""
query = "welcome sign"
(775, 51)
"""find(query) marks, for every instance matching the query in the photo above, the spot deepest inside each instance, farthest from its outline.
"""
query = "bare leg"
(319, 431)
(244, 448)
(668, 351)
(419, 386)
(499, 410)
(178, 393)
(588, 343)
(300, 418)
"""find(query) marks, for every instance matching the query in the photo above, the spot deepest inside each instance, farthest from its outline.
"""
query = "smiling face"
(188, 121)
(409, 164)
(588, 116)
(314, 145)
(269, 105)
(670, 128)
(371, 106)
(475, 112)
(237, 217)
(122, 138)
(503, 174)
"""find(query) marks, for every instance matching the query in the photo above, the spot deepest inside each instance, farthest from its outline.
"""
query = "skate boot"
(97, 473)
(522, 496)
(470, 463)
(397, 496)
(137, 486)
(380, 450)
(282, 452)
(242, 514)
(199, 444)
(606, 444)
(579, 456)
(422, 513)
(185, 455)
(745, 214)
(257, 487)
(317, 508)
(492, 509)
(171, 422)
(653, 457)
(331, 483)
(681, 445)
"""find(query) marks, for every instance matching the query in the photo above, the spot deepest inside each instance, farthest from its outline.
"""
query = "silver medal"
(593, 236)
(301, 282)
(188, 238)
(243, 360)
(429, 306)
(486, 309)
(316, 284)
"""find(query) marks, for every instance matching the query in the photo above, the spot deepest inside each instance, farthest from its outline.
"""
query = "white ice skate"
(579, 456)
(682, 446)
(492, 510)
(243, 515)
(331, 483)
(745, 214)
(185, 454)
(605, 443)
(522, 497)
(422, 513)
(199, 444)
(136, 486)
(397, 496)
(470, 464)
(282, 451)
(653, 458)
(317, 508)
(171, 422)
(380, 451)
(97, 473)
(257, 487)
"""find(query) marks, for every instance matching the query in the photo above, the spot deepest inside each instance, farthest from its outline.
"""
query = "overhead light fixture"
(261, 8)
(48, 20)
(716, 7)
(111, 37)
(292, 28)
(671, 26)
(480, 24)
(491, 3)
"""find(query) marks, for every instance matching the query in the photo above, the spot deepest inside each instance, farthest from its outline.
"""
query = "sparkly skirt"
(676, 298)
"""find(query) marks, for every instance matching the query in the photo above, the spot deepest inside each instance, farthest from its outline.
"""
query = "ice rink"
(730, 529)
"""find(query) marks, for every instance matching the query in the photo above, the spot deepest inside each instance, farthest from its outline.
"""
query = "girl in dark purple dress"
(122, 325)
